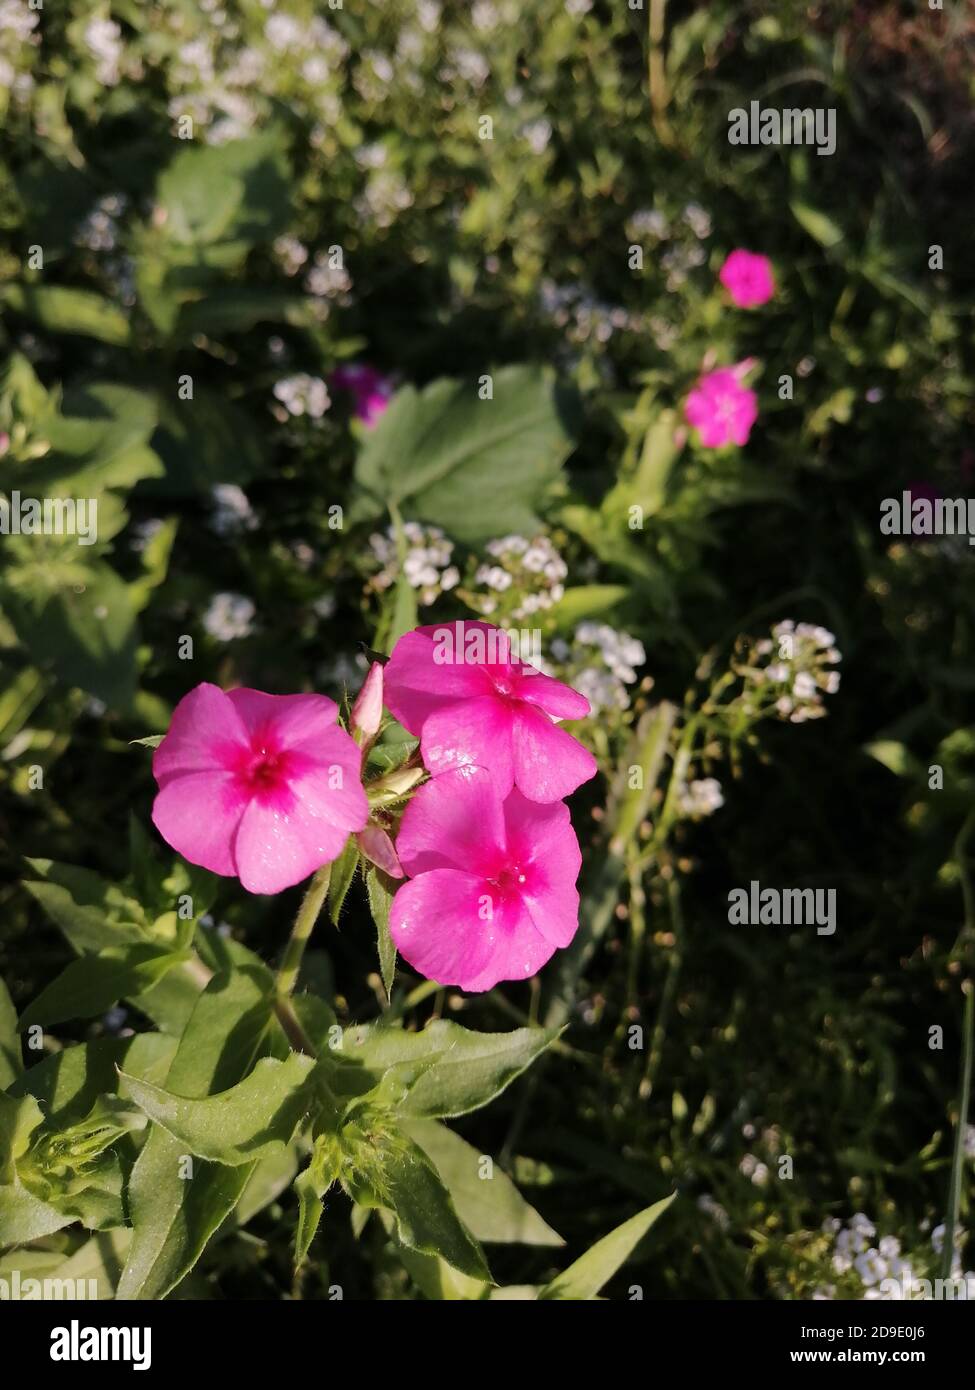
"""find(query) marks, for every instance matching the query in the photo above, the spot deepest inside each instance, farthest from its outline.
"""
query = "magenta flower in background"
(748, 279)
(263, 787)
(456, 688)
(721, 408)
(370, 389)
(492, 889)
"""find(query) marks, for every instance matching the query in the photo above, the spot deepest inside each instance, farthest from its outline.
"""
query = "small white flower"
(229, 616)
(871, 1267)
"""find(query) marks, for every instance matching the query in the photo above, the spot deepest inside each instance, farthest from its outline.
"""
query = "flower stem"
(958, 1158)
(311, 906)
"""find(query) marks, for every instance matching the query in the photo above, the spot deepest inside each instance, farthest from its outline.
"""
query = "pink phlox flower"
(748, 278)
(492, 889)
(263, 787)
(456, 688)
(721, 408)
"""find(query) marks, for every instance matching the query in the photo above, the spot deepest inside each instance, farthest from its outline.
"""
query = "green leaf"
(91, 985)
(235, 194)
(204, 441)
(68, 1083)
(820, 227)
(584, 1279)
(25, 1217)
(11, 1062)
(76, 620)
(174, 1217)
(491, 1207)
(586, 601)
(256, 1117)
(409, 1186)
(61, 310)
(340, 879)
(380, 889)
(478, 468)
(457, 1070)
(151, 741)
(91, 912)
(310, 1187)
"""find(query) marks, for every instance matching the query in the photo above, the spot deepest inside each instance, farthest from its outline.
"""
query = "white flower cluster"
(427, 564)
(600, 663)
(19, 35)
(532, 569)
(302, 394)
(103, 39)
(803, 655)
(229, 616)
(700, 797)
(232, 512)
(858, 1252)
(325, 281)
(754, 1169)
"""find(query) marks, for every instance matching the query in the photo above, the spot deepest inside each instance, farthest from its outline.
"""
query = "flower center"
(509, 879)
(263, 770)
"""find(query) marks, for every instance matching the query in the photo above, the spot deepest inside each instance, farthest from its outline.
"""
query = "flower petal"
(198, 814)
(416, 683)
(205, 734)
(472, 733)
(280, 843)
(436, 925)
(542, 842)
(548, 762)
(454, 821)
(554, 697)
(518, 950)
(297, 722)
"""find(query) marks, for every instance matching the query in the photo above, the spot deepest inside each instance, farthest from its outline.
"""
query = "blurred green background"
(188, 174)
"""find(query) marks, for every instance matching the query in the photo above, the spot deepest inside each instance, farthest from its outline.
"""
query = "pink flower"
(748, 279)
(370, 389)
(721, 408)
(456, 688)
(492, 882)
(264, 787)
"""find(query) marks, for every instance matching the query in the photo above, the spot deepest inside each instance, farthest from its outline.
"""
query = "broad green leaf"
(20, 1117)
(408, 1186)
(256, 1117)
(478, 468)
(204, 441)
(61, 310)
(433, 1276)
(174, 1217)
(586, 601)
(380, 890)
(25, 1217)
(237, 308)
(236, 193)
(486, 1199)
(97, 1263)
(584, 1279)
(461, 1070)
(75, 618)
(91, 912)
(91, 985)
(69, 1082)
(11, 1063)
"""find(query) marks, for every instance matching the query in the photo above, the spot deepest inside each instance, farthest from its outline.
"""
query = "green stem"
(958, 1158)
(311, 906)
